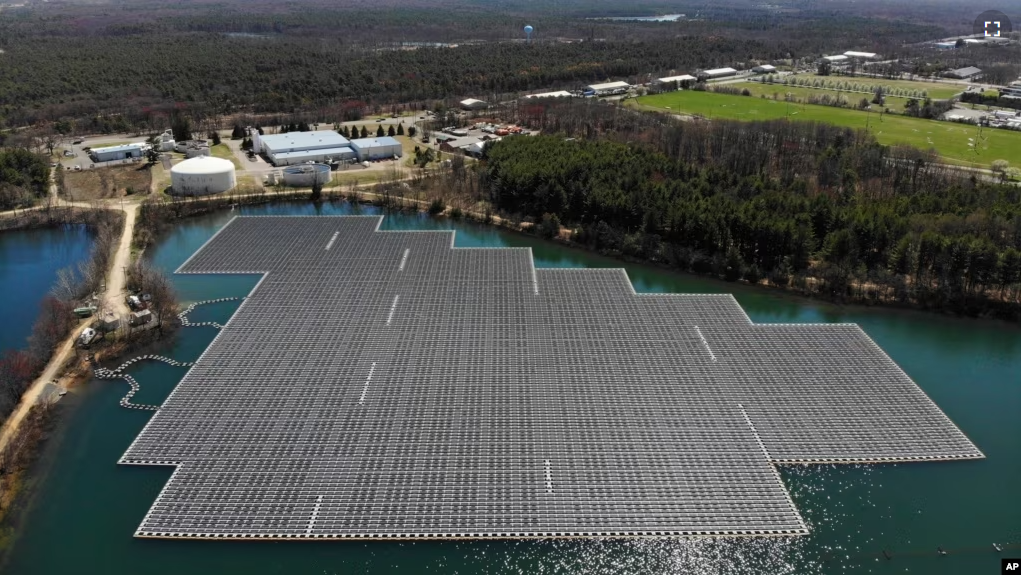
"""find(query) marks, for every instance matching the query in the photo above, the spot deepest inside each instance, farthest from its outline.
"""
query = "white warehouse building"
(717, 73)
(202, 175)
(382, 148)
(607, 88)
(121, 152)
(303, 147)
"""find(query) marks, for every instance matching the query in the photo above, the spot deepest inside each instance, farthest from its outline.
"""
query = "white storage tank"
(202, 175)
(304, 175)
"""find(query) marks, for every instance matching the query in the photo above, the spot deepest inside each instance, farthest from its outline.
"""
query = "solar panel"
(387, 385)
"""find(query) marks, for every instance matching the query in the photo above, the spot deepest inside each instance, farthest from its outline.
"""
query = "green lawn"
(224, 151)
(937, 90)
(948, 138)
(802, 93)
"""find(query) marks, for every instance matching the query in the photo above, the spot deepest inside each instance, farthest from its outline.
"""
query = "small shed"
(140, 317)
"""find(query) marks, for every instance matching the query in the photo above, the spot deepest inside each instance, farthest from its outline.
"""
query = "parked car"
(78, 141)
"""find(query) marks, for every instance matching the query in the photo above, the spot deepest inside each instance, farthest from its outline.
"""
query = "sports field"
(950, 139)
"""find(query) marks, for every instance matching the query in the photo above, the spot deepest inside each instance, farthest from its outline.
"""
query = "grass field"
(224, 151)
(950, 139)
(937, 90)
(106, 182)
(779, 90)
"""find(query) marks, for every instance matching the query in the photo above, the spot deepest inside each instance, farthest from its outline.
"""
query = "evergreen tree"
(400, 129)
(365, 133)
(391, 132)
(380, 132)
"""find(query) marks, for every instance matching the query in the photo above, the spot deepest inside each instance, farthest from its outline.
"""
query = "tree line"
(158, 58)
(24, 177)
(806, 206)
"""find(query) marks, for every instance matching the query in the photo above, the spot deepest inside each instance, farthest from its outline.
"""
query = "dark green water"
(29, 260)
(85, 509)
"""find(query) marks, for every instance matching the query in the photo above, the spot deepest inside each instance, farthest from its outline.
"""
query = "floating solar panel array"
(387, 385)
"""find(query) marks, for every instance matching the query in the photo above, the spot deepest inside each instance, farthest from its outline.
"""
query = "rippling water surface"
(85, 508)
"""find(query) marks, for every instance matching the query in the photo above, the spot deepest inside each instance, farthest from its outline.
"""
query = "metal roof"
(836, 58)
(375, 142)
(119, 148)
(387, 385)
(338, 151)
(608, 86)
(853, 54)
(719, 71)
(303, 140)
(681, 78)
(557, 94)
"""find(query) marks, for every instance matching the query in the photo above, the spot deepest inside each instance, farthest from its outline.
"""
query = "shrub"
(437, 207)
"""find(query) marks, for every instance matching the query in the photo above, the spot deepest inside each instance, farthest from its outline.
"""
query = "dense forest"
(133, 61)
(810, 206)
(24, 177)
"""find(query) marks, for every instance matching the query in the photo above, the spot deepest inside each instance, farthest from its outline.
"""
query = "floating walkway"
(118, 373)
(183, 314)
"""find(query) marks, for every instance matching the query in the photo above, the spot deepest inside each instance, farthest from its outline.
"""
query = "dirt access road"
(113, 298)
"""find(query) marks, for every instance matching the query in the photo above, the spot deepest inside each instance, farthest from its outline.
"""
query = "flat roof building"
(679, 79)
(963, 73)
(718, 73)
(835, 59)
(121, 152)
(382, 148)
(764, 69)
(474, 104)
(608, 88)
(275, 146)
(860, 55)
(946, 45)
(557, 94)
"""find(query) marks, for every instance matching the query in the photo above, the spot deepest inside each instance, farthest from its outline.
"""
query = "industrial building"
(764, 69)
(1013, 91)
(607, 89)
(473, 104)
(382, 148)
(861, 55)
(946, 45)
(717, 73)
(682, 81)
(837, 59)
(122, 152)
(303, 147)
(202, 175)
(192, 148)
(963, 73)
(557, 94)
(387, 385)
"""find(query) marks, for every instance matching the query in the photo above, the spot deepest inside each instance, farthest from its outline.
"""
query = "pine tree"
(400, 129)
(391, 132)
(365, 133)
(380, 132)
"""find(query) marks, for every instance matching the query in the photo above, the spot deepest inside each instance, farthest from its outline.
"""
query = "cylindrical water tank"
(202, 175)
(304, 175)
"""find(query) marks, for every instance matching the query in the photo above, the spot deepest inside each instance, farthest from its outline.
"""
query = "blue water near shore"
(29, 261)
(85, 507)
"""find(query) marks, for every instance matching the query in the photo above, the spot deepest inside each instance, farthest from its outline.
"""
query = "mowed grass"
(949, 139)
(224, 151)
(936, 90)
(802, 93)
